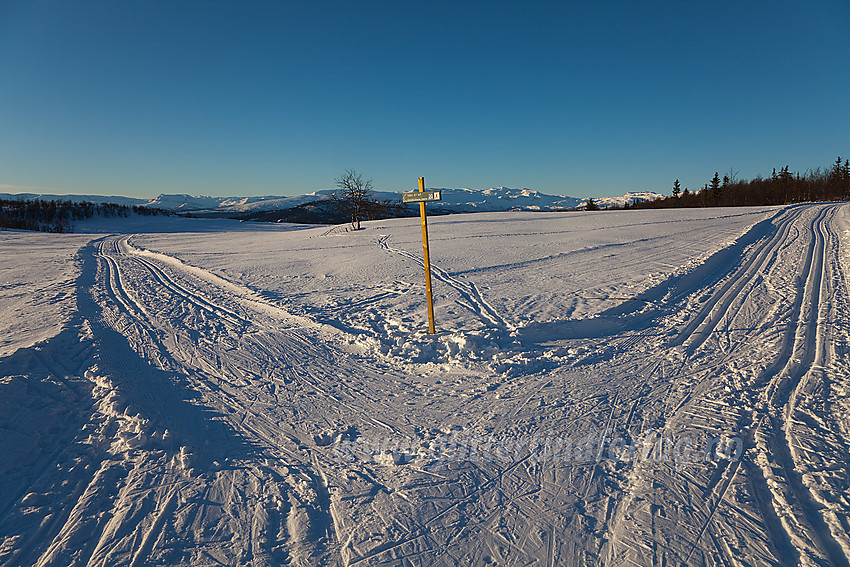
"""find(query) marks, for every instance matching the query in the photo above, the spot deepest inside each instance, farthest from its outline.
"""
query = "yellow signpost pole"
(427, 259)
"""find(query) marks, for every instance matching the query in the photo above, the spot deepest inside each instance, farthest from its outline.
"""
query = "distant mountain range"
(117, 199)
(453, 200)
(628, 198)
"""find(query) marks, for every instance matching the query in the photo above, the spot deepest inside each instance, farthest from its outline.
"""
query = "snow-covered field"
(634, 387)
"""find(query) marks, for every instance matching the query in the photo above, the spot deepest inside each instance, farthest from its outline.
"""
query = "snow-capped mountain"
(504, 199)
(182, 202)
(628, 198)
(458, 200)
(454, 200)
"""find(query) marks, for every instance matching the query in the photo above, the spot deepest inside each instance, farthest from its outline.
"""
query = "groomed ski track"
(194, 421)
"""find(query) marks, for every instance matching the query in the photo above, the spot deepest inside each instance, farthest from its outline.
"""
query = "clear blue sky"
(248, 97)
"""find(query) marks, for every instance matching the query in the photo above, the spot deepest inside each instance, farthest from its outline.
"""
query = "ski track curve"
(799, 527)
(204, 424)
(157, 339)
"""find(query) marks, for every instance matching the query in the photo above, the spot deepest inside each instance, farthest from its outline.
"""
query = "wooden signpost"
(421, 197)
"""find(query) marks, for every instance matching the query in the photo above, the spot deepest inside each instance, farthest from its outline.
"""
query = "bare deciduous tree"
(353, 195)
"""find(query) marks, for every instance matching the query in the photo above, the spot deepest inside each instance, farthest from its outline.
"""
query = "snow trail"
(472, 298)
(767, 396)
(186, 414)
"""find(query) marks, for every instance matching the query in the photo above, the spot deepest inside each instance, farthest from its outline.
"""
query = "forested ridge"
(60, 215)
(782, 188)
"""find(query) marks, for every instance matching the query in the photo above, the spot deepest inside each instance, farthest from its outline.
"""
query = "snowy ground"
(634, 387)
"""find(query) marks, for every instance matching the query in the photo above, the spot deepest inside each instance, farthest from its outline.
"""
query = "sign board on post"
(422, 196)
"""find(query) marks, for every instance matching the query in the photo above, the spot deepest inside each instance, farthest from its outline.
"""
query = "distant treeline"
(781, 188)
(59, 216)
(330, 211)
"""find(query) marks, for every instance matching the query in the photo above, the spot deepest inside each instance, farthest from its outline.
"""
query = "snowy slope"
(634, 387)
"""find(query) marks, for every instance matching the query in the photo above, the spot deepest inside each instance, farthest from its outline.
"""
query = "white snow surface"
(605, 388)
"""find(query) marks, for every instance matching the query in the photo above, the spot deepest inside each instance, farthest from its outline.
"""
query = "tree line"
(782, 188)
(59, 215)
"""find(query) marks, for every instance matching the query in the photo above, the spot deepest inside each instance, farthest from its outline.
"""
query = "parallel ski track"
(805, 351)
(194, 298)
(802, 348)
(473, 300)
(696, 332)
(256, 423)
(242, 324)
(799, 352)
(715, 310)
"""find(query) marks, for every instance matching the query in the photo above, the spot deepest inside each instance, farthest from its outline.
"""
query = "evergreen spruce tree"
(714, 190)
(837, 171)
(715, 182)
(676, 188)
